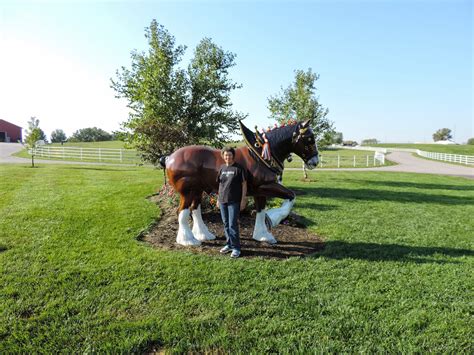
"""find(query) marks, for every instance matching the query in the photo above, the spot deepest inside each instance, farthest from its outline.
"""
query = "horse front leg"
(261, 232)
(277, 215)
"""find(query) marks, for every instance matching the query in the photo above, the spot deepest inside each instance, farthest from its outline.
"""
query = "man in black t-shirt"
(232, 199)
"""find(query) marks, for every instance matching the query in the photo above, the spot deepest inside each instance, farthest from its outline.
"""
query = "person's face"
(228, 158)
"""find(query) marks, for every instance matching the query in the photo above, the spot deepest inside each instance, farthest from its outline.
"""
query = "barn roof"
(10, 123)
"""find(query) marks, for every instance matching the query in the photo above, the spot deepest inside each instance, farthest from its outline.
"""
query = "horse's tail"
(163, 165)
(163, 161)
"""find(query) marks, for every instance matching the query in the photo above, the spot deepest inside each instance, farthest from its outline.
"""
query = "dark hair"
(228, 149)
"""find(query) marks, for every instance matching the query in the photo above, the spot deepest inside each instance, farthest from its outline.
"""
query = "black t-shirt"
(230, 179)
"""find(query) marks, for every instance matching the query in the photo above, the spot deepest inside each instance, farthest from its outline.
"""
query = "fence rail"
(79, 153)
(346, 161)
(132, 157)
(453, 158)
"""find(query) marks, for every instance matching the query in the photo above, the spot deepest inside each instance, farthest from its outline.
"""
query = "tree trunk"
(32, 159)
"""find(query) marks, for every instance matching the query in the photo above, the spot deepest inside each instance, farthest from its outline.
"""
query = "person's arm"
(243, 203)
(218, 180)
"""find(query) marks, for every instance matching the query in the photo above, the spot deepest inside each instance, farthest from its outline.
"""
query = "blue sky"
(392, 70)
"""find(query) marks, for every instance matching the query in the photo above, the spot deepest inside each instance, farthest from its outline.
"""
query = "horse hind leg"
(200, 230)
(185, 235)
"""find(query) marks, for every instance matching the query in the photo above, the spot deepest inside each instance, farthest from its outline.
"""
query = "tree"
(173, 107)
(442, 134)
(369, 141)
(58, 136)
(470, 141)
(299, 101)
(91, 134)
(34, 123)
(34, 135)
(338, 138)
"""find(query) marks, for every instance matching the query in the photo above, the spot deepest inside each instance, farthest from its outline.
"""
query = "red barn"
(9, 132)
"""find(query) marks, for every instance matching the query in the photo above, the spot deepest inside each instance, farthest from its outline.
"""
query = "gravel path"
(405, 160)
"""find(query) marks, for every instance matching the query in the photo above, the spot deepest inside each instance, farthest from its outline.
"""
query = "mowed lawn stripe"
(388, 280)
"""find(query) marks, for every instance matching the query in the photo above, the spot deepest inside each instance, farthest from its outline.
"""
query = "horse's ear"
(305, 124)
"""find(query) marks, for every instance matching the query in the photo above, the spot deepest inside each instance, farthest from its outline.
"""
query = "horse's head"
(304, 144)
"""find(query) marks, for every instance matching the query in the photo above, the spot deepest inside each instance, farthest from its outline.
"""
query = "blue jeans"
(230, 215)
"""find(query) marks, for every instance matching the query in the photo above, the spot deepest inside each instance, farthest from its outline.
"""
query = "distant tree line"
(90, 134)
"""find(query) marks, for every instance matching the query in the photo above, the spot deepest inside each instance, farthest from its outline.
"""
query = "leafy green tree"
(34, 123)
(470, 141)
(58, 136)
(369, 141)
(442, 134)
(34, 136)
(299, 101)
(338, 138)
(91, 134)
(172, 107)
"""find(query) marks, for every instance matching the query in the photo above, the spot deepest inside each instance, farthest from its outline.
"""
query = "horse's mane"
(281, 134)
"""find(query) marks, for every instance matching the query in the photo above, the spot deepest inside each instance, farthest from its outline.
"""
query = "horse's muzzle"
(313, 162)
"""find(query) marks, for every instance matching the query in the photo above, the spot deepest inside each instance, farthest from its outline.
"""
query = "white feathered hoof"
(277, 215)
(186, 237)
(202, 234)
(266, 237)
(200, 230)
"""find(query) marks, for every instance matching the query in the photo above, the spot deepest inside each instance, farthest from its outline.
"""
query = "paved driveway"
(7, 149)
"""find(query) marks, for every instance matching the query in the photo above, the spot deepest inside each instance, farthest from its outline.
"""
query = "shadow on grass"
(403, 184)
(389, 252)
(385, 195)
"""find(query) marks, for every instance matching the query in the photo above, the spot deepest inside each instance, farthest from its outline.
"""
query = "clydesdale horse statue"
(193, 169)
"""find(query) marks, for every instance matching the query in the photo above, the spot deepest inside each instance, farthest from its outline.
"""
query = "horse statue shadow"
(193, 169)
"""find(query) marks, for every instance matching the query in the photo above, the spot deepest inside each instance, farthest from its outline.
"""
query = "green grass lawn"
(395, 275)
(462, 149)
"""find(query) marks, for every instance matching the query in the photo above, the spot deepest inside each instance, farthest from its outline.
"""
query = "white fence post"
(354, 161)
(338, 161)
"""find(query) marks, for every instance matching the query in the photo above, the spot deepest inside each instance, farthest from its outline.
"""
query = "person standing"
(232, 199)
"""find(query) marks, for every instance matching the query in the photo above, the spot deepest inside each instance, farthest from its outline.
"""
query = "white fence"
(94, 154)
(132, 157)
(346, 161)
(453, 158)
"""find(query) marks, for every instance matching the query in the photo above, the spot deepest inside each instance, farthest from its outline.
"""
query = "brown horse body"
(193, 169)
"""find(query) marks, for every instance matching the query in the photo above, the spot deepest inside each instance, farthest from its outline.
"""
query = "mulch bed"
(294, 240)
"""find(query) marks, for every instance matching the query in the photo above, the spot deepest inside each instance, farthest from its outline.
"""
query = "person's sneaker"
(226, 249)
(235, 253)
